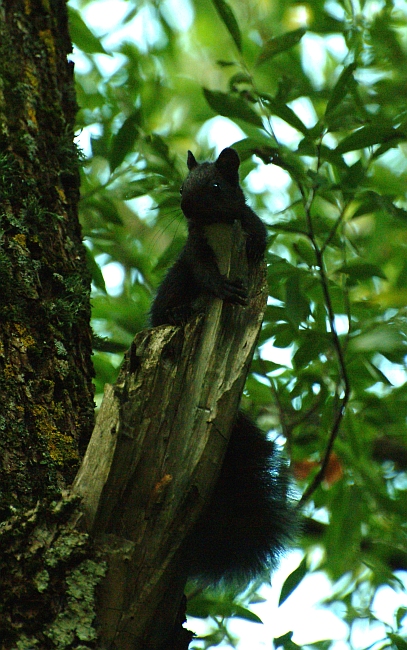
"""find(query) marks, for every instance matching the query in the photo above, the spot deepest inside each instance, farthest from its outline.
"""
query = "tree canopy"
(313, 98)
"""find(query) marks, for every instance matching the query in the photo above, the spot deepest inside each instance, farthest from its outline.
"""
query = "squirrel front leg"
(201, 259)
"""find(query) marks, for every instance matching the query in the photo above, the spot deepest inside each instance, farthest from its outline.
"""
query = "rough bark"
(156, 452)
(46, 395)
(46, 407)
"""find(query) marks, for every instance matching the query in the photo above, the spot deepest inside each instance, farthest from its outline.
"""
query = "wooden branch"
(157, 449)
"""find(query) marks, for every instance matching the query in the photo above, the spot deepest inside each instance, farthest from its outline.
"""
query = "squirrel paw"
(235, 292)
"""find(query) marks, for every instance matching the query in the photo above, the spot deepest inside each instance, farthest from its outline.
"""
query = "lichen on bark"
(46, 407)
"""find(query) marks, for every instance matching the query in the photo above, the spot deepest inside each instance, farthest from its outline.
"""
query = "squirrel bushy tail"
(248, 522)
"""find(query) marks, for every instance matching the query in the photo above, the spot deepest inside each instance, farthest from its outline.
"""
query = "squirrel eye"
(216, 186)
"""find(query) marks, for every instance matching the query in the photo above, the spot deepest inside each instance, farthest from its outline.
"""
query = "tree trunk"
(156, 452)
(45, 342)
(46, 402)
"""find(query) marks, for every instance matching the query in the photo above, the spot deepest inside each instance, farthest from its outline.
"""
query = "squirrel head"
(211, 192)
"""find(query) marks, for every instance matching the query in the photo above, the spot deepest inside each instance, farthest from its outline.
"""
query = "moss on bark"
(46, 407)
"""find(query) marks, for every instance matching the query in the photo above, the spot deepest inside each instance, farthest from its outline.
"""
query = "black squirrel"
(210, 194)
(249, 519)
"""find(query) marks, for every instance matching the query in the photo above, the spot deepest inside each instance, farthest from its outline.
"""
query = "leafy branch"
(344, 398)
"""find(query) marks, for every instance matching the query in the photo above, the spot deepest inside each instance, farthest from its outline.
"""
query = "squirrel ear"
(191, 162)
(228, 165)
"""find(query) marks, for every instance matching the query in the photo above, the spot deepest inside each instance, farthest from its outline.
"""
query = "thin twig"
(319, 254)
(334, 229)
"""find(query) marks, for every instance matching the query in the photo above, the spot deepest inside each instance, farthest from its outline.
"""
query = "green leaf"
(284, 335)
(95, 270)
(142, 186)
(285, 113)
(381, 339)
(286, 642)
(202, 606)
(401, 613)
(398, 641)
(280, 44)
(306, 252)
(275, 314)
(372, 201)
(81, 34)
(242, 612)
(296, 225)
(106, 371)
(293, 581)
(323, 23)
(170, 254)
(230, 106)
(341, 88)
(104, 206)
(311, 345)
(229, 20)
(279, 266)
(297, 307)
(98, 145)
(282, 157)
(360, 271)
(367, 136)
(124, 139)
(343, 535)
